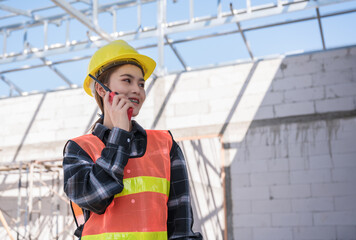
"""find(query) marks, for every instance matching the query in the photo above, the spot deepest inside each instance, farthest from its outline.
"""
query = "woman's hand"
(117, 110)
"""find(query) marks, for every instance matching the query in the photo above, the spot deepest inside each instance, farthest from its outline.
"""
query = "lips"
(134, 100)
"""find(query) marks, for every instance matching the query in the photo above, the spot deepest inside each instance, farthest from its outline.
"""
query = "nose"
(135, 88)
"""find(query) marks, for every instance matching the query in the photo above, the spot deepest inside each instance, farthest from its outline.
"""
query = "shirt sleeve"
(93, 185)
(180, 215)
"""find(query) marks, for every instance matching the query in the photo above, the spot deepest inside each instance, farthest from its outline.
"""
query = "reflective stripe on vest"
(140, 210)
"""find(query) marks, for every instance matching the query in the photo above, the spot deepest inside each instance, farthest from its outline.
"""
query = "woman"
(130, 183)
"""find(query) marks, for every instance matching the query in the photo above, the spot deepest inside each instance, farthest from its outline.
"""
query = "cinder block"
(292, 219)
(344, 174)
(279, 164)
(319, 148)
(264, 112)
(347, 203)
(249, 193)
(351, 51)
(244, 114)
(342, 63)
(342, 160)
(178, 97)
(332, 105)
(346, 232)
(310, 176)
(241, 180)
(303, 68)
(261, 152)
(309, 132)
(343, 133)
(306, 94)
(241, 207)
(340, 90)
(271, 206)
(267, 69)
(191, 108)
(280, 151)
(250, 100)
(185, 81)
(298, 163)
(299, 149)
(332, 77)
(343, 146)
(292, 59)
(257, 136)
(348, 123)
(288, 83)
(320, 162)
(291, 191)
(335, 218)
(315, 233)
(256, 86)
(209, 94)
(232, 75)
(333, 189)
(294, 109)
(182, 121)
(312, 204)
(243, 233)
(270, 178)
(169, 112)
(273, 234)
(252, 220)
(212, 118)
(224, 105)
(331, 54)
(238, 167)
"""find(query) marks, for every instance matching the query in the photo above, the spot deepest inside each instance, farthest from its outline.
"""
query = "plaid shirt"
(93, 185)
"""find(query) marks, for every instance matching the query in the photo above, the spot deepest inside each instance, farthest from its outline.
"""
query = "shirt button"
(132, 200)
(128, 140)
(128, 170)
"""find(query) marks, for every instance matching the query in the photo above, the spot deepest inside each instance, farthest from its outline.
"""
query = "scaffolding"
(36, 207)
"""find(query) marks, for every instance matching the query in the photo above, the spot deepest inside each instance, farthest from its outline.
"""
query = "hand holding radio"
(115, 102)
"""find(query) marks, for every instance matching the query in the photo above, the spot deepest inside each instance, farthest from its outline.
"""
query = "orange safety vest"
(140, 210)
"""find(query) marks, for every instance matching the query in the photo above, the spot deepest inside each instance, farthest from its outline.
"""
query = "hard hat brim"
(147, 63)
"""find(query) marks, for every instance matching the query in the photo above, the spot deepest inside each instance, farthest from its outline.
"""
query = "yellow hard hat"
(115, 51)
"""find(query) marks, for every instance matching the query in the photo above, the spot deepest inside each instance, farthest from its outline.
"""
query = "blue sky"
(297, 37)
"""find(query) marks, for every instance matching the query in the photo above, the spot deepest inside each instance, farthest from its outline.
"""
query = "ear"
(101, 91)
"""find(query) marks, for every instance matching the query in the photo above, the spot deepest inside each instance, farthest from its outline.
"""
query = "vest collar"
(103, 132)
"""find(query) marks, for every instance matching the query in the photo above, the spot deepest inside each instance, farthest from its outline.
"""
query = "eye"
(127, 80)
(142, 85)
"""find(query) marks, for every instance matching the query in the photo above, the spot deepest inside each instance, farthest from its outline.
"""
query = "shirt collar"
(102, 131)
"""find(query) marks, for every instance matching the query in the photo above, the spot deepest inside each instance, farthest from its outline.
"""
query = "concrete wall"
(284, 129)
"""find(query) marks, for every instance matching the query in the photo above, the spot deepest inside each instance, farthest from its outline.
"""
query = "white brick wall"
(317, 233)
(291, 178)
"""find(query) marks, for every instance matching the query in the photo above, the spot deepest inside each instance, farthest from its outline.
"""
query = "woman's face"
(128, 80)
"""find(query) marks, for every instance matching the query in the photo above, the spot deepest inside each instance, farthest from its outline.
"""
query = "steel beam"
(19, 12)
(176, 53)
(172, 28)
(82, 18)
(256, 12)
(56, 71)
(88, 44)
(63, 16)
(242, 34)
(11, 85)
(320, 28)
